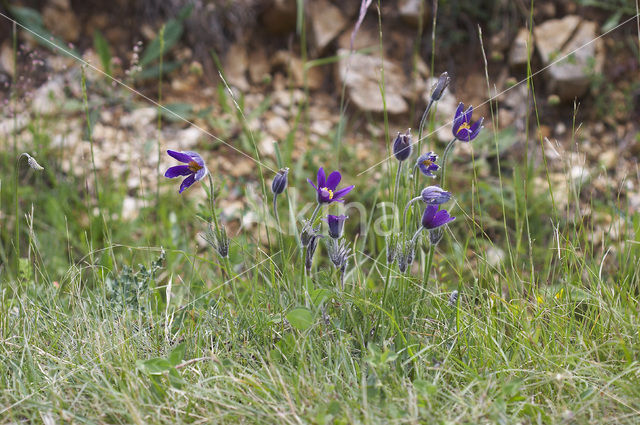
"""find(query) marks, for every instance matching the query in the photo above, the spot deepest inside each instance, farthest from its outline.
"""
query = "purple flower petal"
(475, 128)
(201, 173)
(459, 110)
(177, 171)
(180, 156)
(334, 180)
(186, 183)
(311, 183)
(440, 218)
(321, 178)
(468, 114)
(196, 157)
(342, 192)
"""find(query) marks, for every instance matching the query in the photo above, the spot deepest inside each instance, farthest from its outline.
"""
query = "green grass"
(545, 333)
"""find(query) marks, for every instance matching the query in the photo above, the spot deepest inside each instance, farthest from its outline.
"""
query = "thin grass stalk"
(159, 124)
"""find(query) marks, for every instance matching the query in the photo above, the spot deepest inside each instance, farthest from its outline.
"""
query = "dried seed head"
(31, 161)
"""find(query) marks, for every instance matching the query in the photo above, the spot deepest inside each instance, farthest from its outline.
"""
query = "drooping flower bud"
(402, 146)
(435, 195)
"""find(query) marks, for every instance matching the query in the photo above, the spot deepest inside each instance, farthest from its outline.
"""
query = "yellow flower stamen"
(325, 189)
(427, 162)
(464, 125)
(194, 166)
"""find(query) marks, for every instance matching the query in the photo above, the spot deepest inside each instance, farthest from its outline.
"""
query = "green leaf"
(155, 366)
(154, 71)
(177, 354)
(102, 48)
(172, 33)
(300, 318)
(184, 110)
(319, 295)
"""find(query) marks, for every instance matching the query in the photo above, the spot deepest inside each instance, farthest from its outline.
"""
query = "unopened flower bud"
(402, 146)
(279, 183)
(440, 86)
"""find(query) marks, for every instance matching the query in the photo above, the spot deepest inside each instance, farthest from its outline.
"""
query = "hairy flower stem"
(216, 225)
(404, 215)
(427, 272)
(445, 156)
(315, 214)
(415, 236)
(397, 186)
(423, 120)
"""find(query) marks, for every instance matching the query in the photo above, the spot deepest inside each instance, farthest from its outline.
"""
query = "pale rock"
(569, 77)
(560, 129)
(267, 147)
(609, 159)
(139, 118)
(235, 66)
(519, 51)
(259, 69)
(277, 127)
(6, 58)
(131, 208)
(495, 256)
(187, 139)
(552, 35)
(410, 11)
(321, 127)
(11, 125)
(366, 37)
(327, 21)
(361, 75)
(49, 97)
(62, 22)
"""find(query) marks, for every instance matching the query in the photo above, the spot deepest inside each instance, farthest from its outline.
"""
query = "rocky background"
(289, 79)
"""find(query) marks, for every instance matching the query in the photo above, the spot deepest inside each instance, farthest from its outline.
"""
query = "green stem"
(404, 215)
(445, 156)
(427, 271)
(397, 186)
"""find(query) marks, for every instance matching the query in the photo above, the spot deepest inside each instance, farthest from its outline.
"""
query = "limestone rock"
(555, 39)
(326, 22)
(519, 49)
(236, 63)
(49, 97)
(361, 75)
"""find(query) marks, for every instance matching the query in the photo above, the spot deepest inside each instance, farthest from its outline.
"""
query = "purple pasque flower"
(326, 187)
(433, 218)
(427, 164)
(195, 170)
(434, 195)
(336, 225)
(463, 129)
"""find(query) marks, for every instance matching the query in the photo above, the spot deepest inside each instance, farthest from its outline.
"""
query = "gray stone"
(361, 75)
(569, 77)
(519, 49)
(326, 22)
